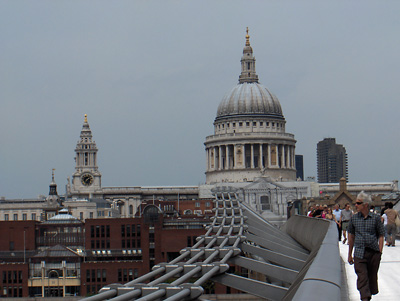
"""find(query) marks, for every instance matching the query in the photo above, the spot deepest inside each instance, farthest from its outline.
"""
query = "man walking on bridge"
(366, 235)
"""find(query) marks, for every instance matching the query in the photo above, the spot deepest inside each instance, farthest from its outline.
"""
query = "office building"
(331, 161)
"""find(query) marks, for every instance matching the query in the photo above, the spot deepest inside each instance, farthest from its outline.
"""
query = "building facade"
(64, 256)
(331, 161)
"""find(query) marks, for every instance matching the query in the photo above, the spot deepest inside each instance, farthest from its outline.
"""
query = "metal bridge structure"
(291, 263)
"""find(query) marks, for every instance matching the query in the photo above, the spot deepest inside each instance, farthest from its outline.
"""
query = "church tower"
(86, 181)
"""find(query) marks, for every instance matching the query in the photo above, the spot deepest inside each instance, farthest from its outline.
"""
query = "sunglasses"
(359, 203)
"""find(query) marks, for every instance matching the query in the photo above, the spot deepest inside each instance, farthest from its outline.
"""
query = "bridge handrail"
(322, 271)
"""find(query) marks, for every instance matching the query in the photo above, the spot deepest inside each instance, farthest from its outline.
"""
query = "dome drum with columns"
(249, 138)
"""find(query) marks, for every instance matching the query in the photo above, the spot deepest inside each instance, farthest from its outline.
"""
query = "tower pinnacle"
(248, 74)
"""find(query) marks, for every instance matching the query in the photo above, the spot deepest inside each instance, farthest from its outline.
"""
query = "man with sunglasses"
(366, 236)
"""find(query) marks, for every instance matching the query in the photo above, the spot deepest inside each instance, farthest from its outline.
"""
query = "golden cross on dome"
(247, 37)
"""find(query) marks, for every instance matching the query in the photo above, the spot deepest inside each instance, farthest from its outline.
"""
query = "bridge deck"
(389, 275)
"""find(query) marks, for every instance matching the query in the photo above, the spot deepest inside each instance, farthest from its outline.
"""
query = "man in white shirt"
(338, 215)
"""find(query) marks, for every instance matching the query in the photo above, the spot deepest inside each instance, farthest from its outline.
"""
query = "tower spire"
(53, 185)
(248, 62)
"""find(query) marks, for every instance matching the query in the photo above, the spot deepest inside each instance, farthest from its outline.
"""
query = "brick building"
(65, 256)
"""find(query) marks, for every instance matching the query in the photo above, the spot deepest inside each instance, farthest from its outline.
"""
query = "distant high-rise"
(299, 167)
(331, 161)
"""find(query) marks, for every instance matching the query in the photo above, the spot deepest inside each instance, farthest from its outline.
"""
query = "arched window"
(187, 212)
(151, 214)
(130, 209)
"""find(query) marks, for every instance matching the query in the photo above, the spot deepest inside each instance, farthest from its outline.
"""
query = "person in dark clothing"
(366, 233)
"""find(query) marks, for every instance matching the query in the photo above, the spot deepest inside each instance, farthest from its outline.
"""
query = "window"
(128, 231)
(254, 123)
(15, 216)
(33, 217)
(6, 217)
(24, 218)
(123, 230)
(197, 204)
(240, 123)
(81, 216)
(261, 123)
(208, 204)
(247, 123)
(248, 65)
(91, 214)
(107, 230)
(104, 279)
(91, 231)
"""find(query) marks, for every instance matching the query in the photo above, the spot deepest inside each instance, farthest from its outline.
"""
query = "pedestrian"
(338, 215)
(329, 215)
(366, 234)
(346, 216)
(318, 211)
(391, 225)
(384, 221)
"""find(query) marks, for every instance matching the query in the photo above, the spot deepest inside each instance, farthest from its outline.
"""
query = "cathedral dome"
(250, 99)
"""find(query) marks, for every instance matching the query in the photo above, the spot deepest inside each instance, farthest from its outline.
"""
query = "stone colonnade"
(251, 155)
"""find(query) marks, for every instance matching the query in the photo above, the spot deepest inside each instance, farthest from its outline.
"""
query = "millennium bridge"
(291, 263)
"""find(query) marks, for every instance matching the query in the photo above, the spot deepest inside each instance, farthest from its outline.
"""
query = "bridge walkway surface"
(388, 275)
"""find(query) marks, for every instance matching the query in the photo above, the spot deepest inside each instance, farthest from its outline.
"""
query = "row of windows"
(100, 231)
(12, 291)
(96, 275)
(130, 230)
(247, 123)
(134, 243)
(127, 274)
(15, 216)
(12, 276)
(97, 244)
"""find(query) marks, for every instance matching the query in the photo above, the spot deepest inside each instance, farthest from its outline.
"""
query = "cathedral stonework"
(249, 138)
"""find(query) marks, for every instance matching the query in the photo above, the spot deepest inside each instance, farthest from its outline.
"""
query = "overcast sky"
(150, 76)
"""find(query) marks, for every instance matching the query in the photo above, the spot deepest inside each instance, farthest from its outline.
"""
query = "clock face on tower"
(87, 179)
